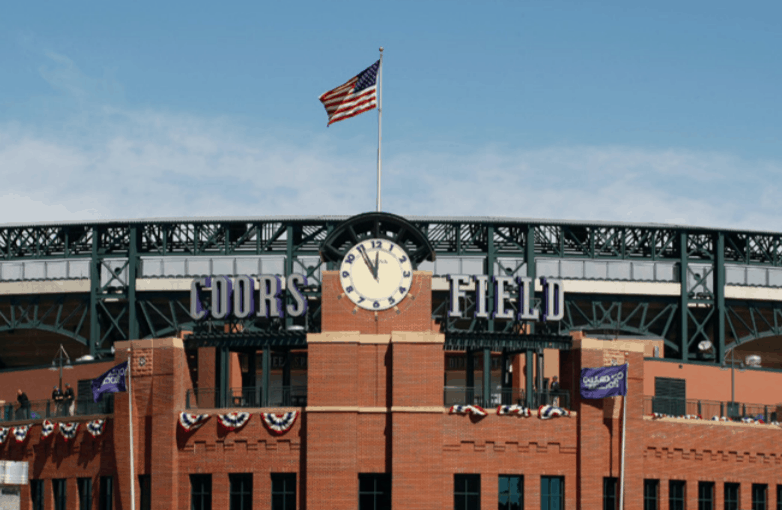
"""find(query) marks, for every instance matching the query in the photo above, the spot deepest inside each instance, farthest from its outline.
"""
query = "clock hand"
(377, 266)
(366, 259)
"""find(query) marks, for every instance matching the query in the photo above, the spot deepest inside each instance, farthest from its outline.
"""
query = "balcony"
(453, 395)
(217, 398)
(41, 409)
(708, 408)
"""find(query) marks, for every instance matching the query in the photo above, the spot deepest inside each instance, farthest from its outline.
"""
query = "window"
(85, 493)
(241, 491)
(651, 491)
(779, 497)
(705, 495)
(60, 492)
(200, 492)
(511, 493)
(552, 493)
(670, 396)
(610, 500)
(374, 491)
(759, 493)
(731, 496)
(106, 492)
(36, 494)
(283, 491)
(145, 487)
(466, 492)
(676, 494)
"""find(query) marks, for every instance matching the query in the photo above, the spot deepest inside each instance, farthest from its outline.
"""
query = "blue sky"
(607, 110)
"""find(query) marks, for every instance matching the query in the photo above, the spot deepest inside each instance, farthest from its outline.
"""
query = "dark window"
(670, 396)
(552, 493)
(374, 491)
(60, 491)
(200, 492)
(466, 492)
(779, 497)
(36, 494)
(145, 486)
(106, 492)
(731, 496)
(511, 493)
(241, 491)
(705, 495)
(283, 491)
(759, 496)
(651, 491)
(85, 493)
(676, 494)
(610, 499)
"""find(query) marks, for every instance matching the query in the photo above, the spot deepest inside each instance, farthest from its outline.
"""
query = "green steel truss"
(114, 309)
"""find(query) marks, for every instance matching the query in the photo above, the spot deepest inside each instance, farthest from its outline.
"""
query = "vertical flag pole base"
(379, 126)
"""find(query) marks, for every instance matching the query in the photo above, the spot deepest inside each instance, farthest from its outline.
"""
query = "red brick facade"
(375, 405)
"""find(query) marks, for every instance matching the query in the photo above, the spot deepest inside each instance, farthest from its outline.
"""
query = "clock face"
(376, 274)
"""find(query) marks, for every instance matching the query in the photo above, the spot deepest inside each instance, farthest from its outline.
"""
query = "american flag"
(356, 96)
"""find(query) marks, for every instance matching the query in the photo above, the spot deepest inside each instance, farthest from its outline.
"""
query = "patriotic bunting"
(68, 430)
(462, 409)
(752, 420)
(20, 433)
(279, 424)
(191, 422)
(548, 412)
(234, 421)
(514, 410)
(3, 434)
(95, 427)
(719, 418)
(47, 428)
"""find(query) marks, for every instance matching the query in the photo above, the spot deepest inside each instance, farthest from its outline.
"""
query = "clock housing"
(376, 274)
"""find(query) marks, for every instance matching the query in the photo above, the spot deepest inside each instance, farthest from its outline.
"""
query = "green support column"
(288, 272)
(223, 375)
(470, 377)
(529, 375)
(133, 330)
(486, 390)
(719, 297)
(505, 379)
(94, 289)
(684, 299)
(491, 258)
(266, 375)
(286, 378)
(252, 380)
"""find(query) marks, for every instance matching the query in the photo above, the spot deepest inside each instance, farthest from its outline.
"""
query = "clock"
(376, 274)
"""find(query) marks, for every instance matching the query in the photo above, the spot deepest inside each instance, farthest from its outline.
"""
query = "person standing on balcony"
(58, 398)
(69, 398)
(555, 391)
(24, 404)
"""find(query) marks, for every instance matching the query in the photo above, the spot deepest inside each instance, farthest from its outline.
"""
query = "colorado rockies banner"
(110, 382)
(20, 433)
(604, 382)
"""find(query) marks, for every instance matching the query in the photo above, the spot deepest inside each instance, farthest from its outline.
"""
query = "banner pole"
(624, 429)
(379, 125)
(130, 420)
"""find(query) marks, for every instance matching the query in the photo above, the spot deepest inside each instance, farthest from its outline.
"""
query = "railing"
(40, 409)
(708, 408)
(216, 398)
(505, 396)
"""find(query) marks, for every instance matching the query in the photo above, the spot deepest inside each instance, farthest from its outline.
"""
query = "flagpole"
(624, 430)
(379, 125)
(130, 420)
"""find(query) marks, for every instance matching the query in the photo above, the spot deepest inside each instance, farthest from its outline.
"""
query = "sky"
(618, 111)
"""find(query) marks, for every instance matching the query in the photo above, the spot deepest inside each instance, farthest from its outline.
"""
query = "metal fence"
(216, 398)
(40, 409)
(708, 408)
(453, 395)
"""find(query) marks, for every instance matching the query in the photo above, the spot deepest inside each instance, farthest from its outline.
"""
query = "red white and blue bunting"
(657, 416)
(752, 420)
(548, 412)
(20, 432)
(191, 422)
(279, 424)
(68, 430)
(47, 428)
(3, 434)
(516, 410)
(95, 427)
(719, 418)
(234, 421)
(462, 409)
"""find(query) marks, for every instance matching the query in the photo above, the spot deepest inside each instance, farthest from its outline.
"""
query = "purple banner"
(604, 382)
(110, 382)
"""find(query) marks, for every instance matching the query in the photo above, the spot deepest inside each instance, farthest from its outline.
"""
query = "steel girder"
(115, 311)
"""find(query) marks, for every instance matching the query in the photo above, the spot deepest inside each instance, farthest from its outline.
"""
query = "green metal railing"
(453, 395)
(40, 409)
(218, 398)
(708, 408)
